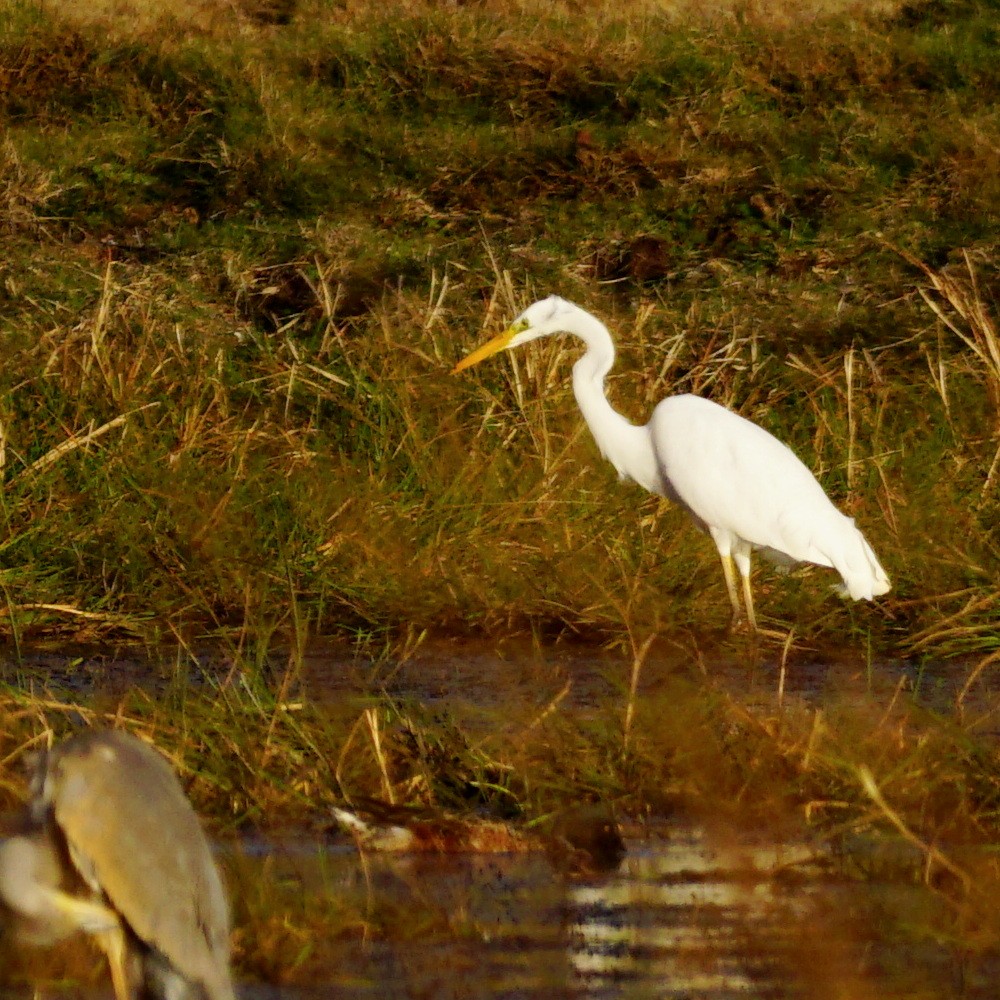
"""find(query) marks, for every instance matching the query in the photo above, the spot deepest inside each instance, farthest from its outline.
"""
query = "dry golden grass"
(144, 18)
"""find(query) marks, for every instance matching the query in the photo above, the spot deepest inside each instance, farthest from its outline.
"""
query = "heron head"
(544, 317)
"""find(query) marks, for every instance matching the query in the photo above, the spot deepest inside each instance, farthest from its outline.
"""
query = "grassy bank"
(243, 249)
(243, 245)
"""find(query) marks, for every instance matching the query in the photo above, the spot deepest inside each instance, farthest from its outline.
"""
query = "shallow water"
(689, 913)
(692, 911)
(682, 916)
(485, 675)
(676, 919)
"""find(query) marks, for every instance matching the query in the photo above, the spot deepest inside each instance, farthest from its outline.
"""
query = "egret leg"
(742, 560)
(730, 574)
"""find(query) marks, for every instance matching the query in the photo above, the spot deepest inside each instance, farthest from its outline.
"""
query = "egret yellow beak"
(491, 347)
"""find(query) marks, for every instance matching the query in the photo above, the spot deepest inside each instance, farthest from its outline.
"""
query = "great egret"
(112, 847)
(737, 481)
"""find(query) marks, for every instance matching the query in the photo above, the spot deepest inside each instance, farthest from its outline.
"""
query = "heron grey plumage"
(112, 847)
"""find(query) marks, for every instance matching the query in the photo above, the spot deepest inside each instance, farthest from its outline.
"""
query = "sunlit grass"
(246, 407)
(206, 474)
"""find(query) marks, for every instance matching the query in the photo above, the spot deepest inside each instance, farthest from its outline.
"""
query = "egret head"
(540, 319)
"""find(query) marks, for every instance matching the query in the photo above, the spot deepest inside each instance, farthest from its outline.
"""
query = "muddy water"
(691, 912)
(487, 676)
(683, 916)
(688, 914)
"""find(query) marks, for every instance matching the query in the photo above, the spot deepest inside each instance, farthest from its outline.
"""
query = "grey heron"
(112, 847)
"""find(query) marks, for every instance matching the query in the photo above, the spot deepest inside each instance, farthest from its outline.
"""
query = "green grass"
(241, 256)
(309, 223)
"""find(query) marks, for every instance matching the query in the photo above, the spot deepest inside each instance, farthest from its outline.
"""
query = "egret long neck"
(626, 446)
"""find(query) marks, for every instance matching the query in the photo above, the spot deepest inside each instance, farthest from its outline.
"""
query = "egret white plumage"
(112, 847)
(738, 482)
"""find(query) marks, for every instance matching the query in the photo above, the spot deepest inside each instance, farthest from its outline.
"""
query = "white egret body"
(738, 482)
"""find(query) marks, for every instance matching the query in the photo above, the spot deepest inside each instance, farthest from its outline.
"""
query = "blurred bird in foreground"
(112, 847)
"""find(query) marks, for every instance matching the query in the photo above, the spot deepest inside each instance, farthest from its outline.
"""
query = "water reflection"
(678, 916)
(686, 914)
(681, 917)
